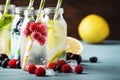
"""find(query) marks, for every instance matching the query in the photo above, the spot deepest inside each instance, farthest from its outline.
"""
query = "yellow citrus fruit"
(73, 45)
(93, 29)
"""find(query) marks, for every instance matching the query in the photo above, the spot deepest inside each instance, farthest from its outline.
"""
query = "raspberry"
(26, 30)
(78, 69)
(38, 27)
(31, 68)
(39, 38)
(61, 62)
(66, 68)
(40, 71)
(42, 29)
(12, 63)
(52, 65)
(32, 27)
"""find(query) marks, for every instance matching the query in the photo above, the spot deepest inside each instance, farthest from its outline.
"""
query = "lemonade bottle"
(57, 32)
(6, 18)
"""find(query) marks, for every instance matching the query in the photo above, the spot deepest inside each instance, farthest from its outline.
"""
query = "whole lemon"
(93, 29)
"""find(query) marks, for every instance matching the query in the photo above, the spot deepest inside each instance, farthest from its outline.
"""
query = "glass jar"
(5, 29)
(15, 32)
(57, 32)
(32, 50)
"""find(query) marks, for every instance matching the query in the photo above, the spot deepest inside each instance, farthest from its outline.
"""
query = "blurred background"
(76, 10)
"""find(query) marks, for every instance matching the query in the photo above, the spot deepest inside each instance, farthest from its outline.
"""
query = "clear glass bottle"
(15, 32)
(57, 32)
(32, 52)
(5, 29)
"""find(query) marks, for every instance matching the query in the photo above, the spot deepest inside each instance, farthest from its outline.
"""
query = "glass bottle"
(5, 29)
(57, 32)
(31, 50)
(15, 32)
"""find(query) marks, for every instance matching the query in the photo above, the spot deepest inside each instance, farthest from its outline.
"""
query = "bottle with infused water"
(57, 32)
(15, 32)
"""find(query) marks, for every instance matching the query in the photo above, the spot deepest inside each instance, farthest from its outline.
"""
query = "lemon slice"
(73, 45)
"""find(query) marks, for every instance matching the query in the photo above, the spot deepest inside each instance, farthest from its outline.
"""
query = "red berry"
(78, 69)
(61, 62)
(42, 29)
(31, 68)
(39, 38)
(40, 71)
(66, 68)
(26, 30)
(12, 63)
(52, 65)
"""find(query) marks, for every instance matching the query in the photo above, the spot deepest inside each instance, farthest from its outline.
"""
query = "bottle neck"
(51, 13)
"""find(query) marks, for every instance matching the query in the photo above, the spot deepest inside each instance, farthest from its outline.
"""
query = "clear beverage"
(33, 51)
(57, 32)
(15, 32)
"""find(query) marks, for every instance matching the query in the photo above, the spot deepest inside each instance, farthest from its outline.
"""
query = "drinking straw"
(6, 6)
(30, 4)
(30, 41)
(57, 8)
(40, 9)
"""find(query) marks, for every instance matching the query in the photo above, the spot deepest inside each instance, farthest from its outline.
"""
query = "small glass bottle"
(5, 28)
(57, 32)
(15, 32)
(33, 52)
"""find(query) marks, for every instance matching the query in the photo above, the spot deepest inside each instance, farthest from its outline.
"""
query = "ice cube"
(50, 72)
(72, 63)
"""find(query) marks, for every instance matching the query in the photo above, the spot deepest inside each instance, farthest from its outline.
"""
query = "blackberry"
(93, 59)
(5, 62)
(58, 68)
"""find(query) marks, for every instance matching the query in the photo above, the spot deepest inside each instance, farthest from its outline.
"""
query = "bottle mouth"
(11, 6)
(52, 10)
(20, 9)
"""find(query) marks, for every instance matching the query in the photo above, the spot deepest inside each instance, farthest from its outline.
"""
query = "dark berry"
(18, 65)
(72, 56)
(93, 59)
(69, 55)
(0, 62)
(3, 56)
(5, 62)
(58, 68)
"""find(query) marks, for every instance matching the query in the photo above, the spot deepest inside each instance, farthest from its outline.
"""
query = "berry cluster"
(40, 71)
(37, 31)
(62, 66)
(6, 62)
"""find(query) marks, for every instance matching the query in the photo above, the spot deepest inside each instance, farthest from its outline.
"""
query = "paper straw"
(57, 8)
(6, 6)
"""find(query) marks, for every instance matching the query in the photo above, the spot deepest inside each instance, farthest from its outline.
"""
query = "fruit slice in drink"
(56, 40)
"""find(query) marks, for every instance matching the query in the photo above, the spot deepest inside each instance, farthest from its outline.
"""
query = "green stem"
(30, 4)
(57, 8)
(6, 6)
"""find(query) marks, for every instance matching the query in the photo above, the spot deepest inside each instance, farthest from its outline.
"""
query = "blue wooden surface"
(107, 67)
